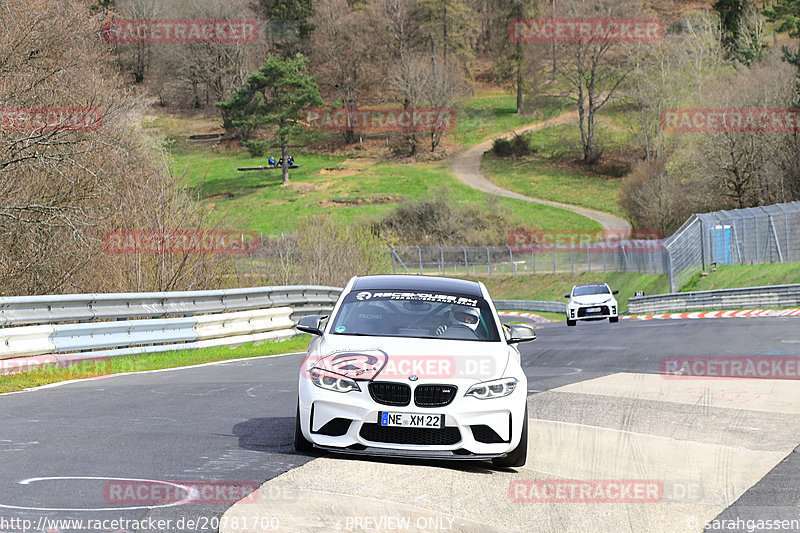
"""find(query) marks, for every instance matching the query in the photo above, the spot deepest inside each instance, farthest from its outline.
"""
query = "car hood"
(404, 359)
(590, 299)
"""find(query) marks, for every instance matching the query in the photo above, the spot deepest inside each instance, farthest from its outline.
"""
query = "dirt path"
(467, 168)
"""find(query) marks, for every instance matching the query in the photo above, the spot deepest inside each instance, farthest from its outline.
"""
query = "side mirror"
(310, 324)
(521, 333)
(614, 292)
(566, 295)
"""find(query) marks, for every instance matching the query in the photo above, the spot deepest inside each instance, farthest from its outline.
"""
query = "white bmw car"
(594, 301)
(417, 367)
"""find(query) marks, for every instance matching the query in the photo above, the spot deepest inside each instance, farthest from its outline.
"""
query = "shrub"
(518, 146)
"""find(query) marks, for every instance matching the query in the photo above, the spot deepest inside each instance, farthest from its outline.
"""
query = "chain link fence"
(499, 260)
(751, 236)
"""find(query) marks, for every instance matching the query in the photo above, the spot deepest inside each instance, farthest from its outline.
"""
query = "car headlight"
(492, 389)
(325, 379)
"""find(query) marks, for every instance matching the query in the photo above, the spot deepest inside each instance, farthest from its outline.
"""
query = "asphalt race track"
(719, 450)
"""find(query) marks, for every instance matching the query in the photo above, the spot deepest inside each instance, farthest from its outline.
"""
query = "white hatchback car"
(417, 367)
(594, 301)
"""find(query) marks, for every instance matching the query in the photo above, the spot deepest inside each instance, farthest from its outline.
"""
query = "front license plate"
(409, 420)
(592, 309)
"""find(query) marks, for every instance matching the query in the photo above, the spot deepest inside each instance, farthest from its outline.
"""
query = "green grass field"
(489, 114)
(153, 361)
(728, 277)
(554, 172)
(351, 189)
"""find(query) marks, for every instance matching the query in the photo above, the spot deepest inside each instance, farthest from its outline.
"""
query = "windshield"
(586, 290)
(417, 315)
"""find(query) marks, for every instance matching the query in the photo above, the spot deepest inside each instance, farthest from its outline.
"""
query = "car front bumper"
(579, 312)
(353, 418)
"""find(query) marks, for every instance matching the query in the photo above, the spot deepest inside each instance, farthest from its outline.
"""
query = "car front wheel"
(570, 322)
(613, 319)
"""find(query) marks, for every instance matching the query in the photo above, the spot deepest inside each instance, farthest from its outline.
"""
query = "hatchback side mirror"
(566, 296)
(614, 292)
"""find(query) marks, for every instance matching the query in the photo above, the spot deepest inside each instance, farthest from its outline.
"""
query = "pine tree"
(276, 94)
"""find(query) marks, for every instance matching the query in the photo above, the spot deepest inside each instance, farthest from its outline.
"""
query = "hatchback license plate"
(592, 309)
(409, 420)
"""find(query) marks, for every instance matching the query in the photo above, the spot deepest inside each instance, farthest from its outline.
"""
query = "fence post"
(441, 256)
(488, 261)
(533, 259)
(511, 258)
(588, 260)
(669, 270)
(391, 254)
(571, 260)
(702, 245)
(554, 258)
(420, 260)
(466, 264)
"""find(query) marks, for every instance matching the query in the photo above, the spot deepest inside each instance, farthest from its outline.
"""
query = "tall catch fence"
(751, 236)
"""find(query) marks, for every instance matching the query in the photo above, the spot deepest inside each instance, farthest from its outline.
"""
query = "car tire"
(570, 322)
(613, 319)
(301, 444)
(517, 456)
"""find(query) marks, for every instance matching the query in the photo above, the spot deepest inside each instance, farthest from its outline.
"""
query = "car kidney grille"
(434, 395)
(390, 393)
(400, 435)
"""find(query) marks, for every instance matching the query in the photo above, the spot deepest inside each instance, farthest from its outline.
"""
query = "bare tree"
(136, 58)
(593, 68)
(668, 74)
(341, 53)
(66, 183)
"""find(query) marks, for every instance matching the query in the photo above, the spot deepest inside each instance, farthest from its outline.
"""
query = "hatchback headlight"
(325, 379)
(493, 389)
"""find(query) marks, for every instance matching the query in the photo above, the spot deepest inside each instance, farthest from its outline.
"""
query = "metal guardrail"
(23, 310)
(772, 297)
(237, 327)
(42, 330)
(531, 305)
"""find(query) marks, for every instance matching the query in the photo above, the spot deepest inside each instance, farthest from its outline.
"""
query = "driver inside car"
(461, 315)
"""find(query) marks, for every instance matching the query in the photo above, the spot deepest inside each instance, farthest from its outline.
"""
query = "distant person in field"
(271, 161)
(291, 160)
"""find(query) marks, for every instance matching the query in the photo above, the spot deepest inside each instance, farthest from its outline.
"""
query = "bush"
(518, 146)
(323, 251)
(438, 220)
(501, 147)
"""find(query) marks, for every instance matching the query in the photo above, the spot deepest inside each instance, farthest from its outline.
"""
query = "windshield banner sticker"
(419, 296)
